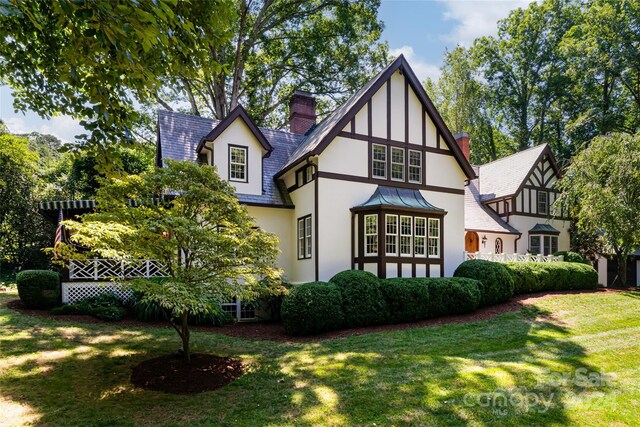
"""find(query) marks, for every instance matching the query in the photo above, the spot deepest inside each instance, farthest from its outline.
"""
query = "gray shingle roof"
(504, 176)
(179, 135)
(480, 218)
(399, 198)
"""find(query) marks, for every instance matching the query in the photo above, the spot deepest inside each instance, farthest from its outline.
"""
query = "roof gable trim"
(240, 112)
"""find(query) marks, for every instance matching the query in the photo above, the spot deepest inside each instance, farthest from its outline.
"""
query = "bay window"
(434, 237)
(391, 234)
(419, 239)
(405, 235)
(371, 235)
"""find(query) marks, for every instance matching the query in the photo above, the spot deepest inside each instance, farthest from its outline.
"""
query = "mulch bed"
(274, 331)
(170, 374)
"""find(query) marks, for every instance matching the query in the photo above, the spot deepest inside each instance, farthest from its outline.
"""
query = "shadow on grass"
(498, 372)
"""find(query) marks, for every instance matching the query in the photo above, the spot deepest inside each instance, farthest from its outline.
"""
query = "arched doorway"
(471, 242)
(499, 246)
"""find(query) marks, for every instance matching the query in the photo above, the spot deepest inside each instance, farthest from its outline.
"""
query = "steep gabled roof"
(318, 139)
(506, 176)
(180, 134)
(238, 112)
(478, 217)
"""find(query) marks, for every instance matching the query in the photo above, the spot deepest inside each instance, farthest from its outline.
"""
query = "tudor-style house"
(509, 205)
(378, 185)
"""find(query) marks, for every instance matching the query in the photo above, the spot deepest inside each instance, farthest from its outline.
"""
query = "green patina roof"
(543, 229)
(399, 198)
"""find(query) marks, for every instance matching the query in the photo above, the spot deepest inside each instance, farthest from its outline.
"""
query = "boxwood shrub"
(362, 301)
(569, 256)
(452, 295)
(407, 299)
(311, 308)
(497, 284)
(39, 288)
(551, 276)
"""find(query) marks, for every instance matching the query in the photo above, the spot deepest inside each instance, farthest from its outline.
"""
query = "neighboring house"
(509, 205)
(378, 185)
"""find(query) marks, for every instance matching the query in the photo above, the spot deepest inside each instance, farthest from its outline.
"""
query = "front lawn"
(571, 359)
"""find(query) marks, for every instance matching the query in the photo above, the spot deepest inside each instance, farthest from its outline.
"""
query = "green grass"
(484, 373)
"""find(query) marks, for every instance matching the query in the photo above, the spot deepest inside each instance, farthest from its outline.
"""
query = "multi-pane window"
(379, 161)
(397, 164)
(542, 202)
(498, 246)
(238, 164)
(545, 245)
(420, 237)
(405, 235)
(415, 166)
(535, 244)
(304, 237)
(434, 237)
(371, 234)
(309, 174)
(391, 234)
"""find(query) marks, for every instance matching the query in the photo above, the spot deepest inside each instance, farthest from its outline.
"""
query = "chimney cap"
(461, 135)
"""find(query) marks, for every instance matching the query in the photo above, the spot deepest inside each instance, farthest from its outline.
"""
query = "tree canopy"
(188, 219)
(601, 191)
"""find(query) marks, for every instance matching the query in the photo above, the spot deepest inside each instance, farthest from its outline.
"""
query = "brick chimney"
(302, 107)
(462, 139)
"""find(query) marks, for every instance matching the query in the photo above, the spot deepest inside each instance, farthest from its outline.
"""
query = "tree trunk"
(622, 270)
(185, 337)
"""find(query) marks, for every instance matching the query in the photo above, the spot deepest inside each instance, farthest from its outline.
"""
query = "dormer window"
(237, 163)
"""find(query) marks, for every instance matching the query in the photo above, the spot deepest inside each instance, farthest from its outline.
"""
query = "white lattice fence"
(105, 269)
(512, 257)
(76, 291)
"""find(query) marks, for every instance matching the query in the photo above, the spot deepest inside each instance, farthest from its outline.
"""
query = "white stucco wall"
(525, 223)
(453, 227)
(508, 242)
(238, 133)
(278, 221)
(302, 270)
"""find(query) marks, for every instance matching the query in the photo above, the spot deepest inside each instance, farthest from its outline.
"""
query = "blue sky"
(420, 29)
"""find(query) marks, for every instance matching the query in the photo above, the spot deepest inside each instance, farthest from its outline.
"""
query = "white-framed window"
(415, 166)
(309, 173)
(371, 235)
(543, 244)
(498, 245)
(397, 164)
(304, 237)
(391, 234)
(379, 161)
(434, 238)
(420, 237)
(237, 163)
(406, 234)
(543, 204)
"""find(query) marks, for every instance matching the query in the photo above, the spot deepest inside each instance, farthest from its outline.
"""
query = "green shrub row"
(497, 285)
(39, 288)
(357, 298)
(569, 256)
(551, 276)
(105, 307)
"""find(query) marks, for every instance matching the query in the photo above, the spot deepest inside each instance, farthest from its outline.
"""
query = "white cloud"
(473, 19)
(63, 127)
(422, 69)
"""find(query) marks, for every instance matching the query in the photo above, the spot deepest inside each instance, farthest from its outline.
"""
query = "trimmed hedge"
(452, 295)
(569, 256)
(551, 276)
(407, 299)
(39, 288)
(362, 301)
(311, 308)
(497, 285)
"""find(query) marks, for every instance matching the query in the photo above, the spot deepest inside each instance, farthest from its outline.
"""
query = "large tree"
(601, 192)
(188, 219)
(466, 105)
(23, 232)
(96, 60)
(526, 72)
(327, 47)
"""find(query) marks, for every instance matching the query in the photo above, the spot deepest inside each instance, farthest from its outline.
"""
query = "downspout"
(516, 242)
(315, 217)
